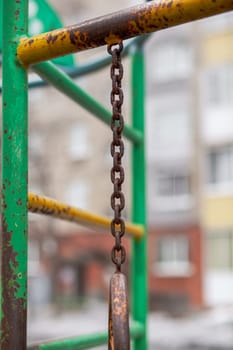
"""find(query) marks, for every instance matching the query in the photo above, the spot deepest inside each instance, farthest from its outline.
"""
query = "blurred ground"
(207, 330)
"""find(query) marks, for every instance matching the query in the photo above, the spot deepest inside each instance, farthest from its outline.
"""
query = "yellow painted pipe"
(48, 206)
(145, 18)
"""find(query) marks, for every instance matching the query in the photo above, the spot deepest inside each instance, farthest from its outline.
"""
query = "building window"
(173, 256)
(173, 185)
(79, 145)
(77, 195)
(35, 145)
(220, 166)
(166, 122)
(173, 60)
(218, 23)
(220, 250)
(166, 117)
(173, 190)
(33, 257)
(220, 85)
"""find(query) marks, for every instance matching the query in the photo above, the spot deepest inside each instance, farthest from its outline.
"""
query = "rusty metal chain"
(118, 331)
(118, 253)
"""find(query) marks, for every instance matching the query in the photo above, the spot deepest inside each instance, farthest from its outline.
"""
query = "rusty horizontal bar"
(90, 66)
(48, 206)
(145, 18)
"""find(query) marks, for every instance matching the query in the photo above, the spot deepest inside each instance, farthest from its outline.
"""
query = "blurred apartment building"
(173, 169)
(216, 114)
(190, 172)
(190, 177)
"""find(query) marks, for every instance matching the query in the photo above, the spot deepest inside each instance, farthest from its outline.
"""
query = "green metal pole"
(139, 247)
(49, 72)
(14, 182)
(85, 341)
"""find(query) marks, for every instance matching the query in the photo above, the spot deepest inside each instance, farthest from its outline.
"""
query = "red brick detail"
(190, 286)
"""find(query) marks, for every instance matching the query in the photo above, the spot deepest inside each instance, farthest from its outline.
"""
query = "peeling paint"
(138, 20)
(51, 38)
(13, 311)
(13, 308)
(48, 206)
(118, 327)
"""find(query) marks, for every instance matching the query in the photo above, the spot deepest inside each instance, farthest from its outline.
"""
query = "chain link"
(118, 253)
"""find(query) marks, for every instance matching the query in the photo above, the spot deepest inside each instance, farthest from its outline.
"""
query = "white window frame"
(174, 201)
(34, 267)
(174, 262)
(223, 246)
(173, 60)
(224, 185)
(78, 194)
(36, 145)
(78, 142)
(217, 23)
(219, 86)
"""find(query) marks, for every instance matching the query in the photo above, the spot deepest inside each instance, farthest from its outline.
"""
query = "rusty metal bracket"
(118, 331)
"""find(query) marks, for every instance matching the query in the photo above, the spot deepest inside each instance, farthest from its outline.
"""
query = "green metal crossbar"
(86, 341)
(49, 72)
(92, 65)
(19, 52)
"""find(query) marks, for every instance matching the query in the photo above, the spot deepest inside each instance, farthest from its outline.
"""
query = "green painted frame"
(13, 311)
(14, 189)
(13, 296)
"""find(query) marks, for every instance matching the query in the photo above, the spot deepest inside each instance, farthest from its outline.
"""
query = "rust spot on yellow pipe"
(128, 23)
(48, 206)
